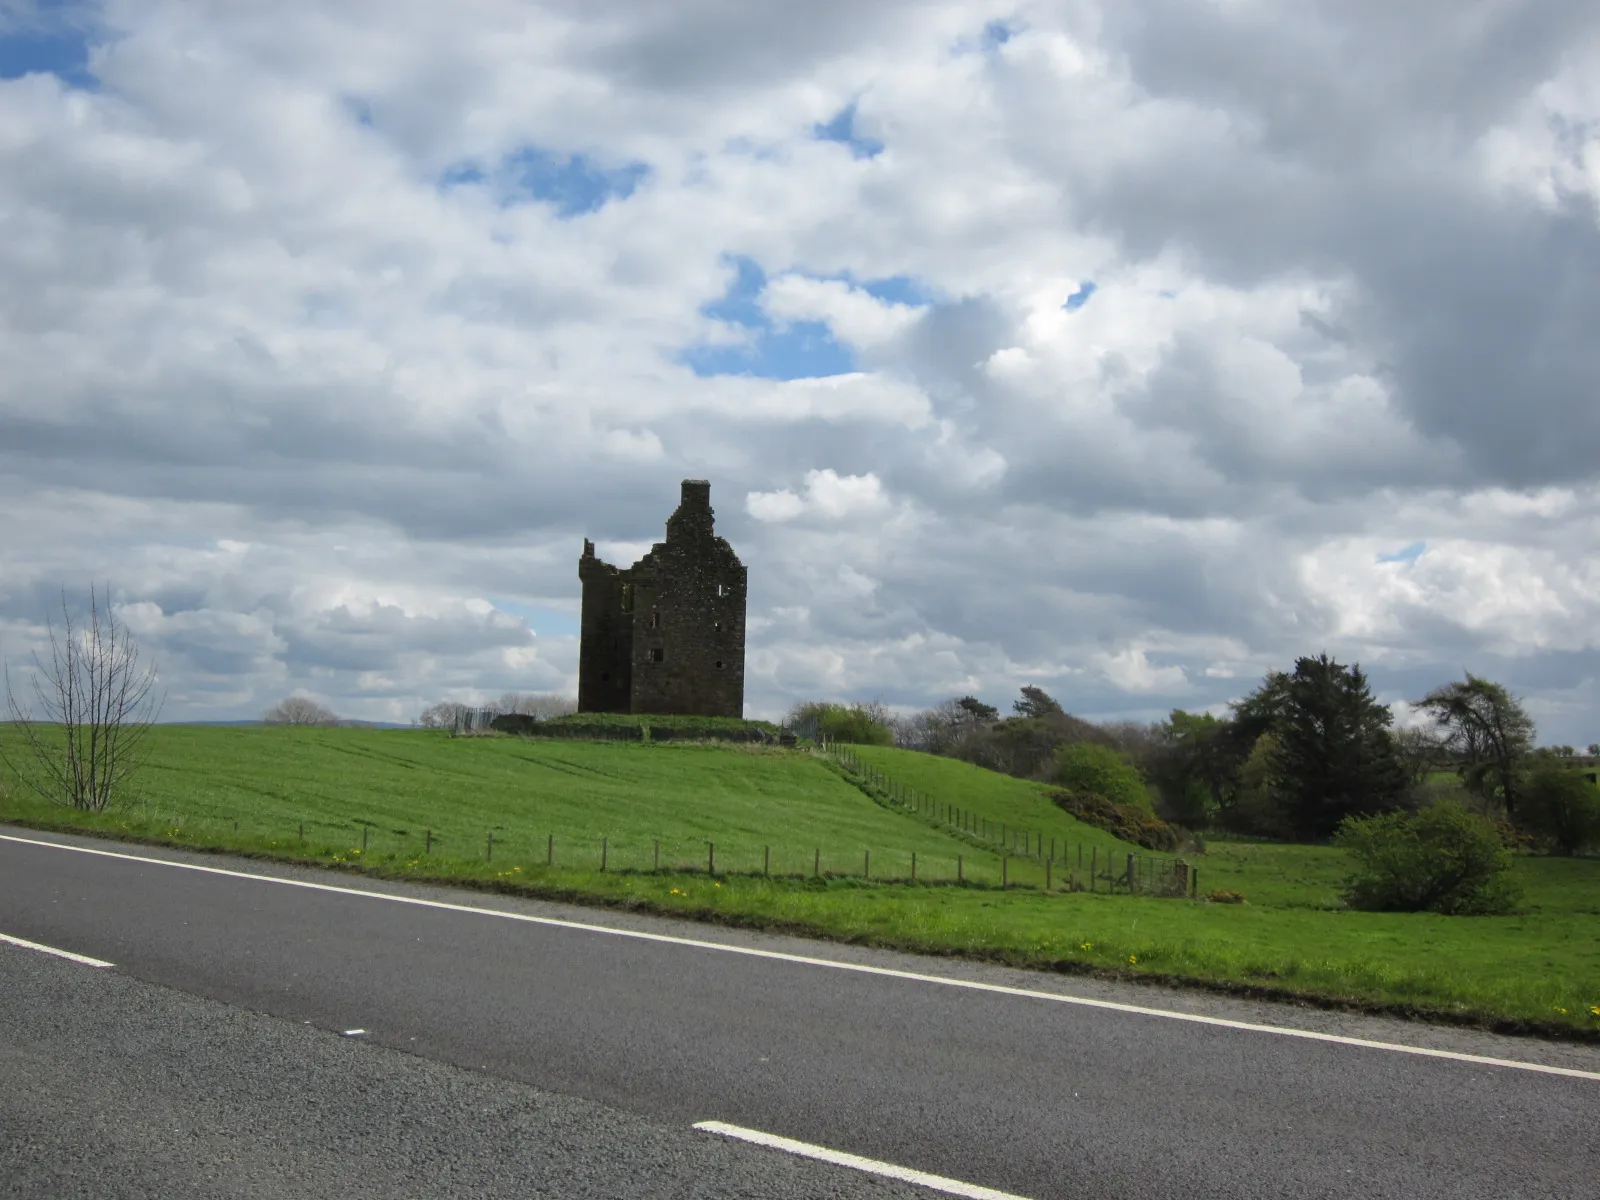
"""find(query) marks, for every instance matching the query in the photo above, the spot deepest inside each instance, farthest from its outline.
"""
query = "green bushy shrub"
(1561, 806)
(856, 724)
(1125, 821)
(1091, 767)
(1441, 859)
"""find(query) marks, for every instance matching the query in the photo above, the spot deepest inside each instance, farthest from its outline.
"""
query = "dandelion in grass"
(1133, 958)
(1086, 946)
(1562, 1011)
(1594, 1010)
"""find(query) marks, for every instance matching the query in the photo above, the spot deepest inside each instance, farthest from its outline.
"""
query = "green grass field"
(1537, 970)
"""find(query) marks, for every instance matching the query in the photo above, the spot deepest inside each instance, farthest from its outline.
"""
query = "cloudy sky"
(1129, 349)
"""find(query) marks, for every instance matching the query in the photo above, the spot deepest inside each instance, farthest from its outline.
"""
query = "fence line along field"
(483, 811)
(412, 792)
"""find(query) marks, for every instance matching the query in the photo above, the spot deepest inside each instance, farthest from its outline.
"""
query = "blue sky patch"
(573, 183)
(797, 350)
(897, 289)
(359, 109)
(1408, 555)
(545, 622)
(995, 35)
(1081, 297)
(61, 52)
(842, 129)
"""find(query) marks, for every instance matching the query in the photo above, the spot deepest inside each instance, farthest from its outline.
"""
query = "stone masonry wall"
(679, 616)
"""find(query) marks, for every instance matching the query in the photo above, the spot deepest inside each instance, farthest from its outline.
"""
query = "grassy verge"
(1537, 971)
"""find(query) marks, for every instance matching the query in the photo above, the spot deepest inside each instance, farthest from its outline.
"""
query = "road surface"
(603, 1039)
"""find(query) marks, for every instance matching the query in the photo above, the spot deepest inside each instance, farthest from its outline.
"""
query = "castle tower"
(666, 635)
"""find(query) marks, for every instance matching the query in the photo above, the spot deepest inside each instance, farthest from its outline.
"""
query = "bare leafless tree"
(93, 704)
(443, 715)
(300, 710)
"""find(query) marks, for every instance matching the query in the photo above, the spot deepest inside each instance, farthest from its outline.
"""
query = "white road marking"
(833, 964)
(67, 954)
(855, 1162)
(354, 1032)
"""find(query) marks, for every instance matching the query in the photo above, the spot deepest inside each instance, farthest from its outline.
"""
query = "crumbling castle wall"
(667, 634)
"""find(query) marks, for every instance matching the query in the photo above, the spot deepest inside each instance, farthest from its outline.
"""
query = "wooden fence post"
(766, 860)
(1047, 874)
(427, 842)
(603, 848)
(488, 849)
(913, 866)
(711, 858)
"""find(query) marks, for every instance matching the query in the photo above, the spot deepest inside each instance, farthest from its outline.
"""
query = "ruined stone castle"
(666, 635)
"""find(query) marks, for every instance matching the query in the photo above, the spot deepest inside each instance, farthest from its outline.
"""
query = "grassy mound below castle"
(492, 812)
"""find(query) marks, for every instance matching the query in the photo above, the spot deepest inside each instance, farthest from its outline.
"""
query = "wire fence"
(525, 853)
(1104, 870)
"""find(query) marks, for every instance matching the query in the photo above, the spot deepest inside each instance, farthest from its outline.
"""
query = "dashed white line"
(43, 949)
(830, 964)
(937, 1183)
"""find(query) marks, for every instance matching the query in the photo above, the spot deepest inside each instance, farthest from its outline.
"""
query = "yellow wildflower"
(1133, 958)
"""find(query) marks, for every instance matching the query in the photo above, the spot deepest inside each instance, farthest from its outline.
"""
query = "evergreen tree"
(1334, 756)
(978, 710)
(1036, 702)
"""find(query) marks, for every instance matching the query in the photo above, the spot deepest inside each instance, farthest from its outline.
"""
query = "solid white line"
(833, 964)
(67, 954)
(871, 1166)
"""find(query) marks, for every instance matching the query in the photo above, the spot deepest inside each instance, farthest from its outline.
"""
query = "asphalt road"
(578, 1029)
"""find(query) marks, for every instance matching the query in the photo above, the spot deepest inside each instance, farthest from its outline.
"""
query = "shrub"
(857, 724)
(1090, 767)
(1440, 859)
(1122, 820)
(1561, 805)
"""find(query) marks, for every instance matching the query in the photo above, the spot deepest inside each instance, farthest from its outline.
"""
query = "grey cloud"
(214, 347)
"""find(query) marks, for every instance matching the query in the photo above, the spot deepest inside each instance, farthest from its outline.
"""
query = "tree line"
(1294, 759)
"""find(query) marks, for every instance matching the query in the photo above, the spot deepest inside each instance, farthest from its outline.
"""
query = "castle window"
(716, 627)
(719, 664)
(657, 654)
(722, 589)
(655, 620)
